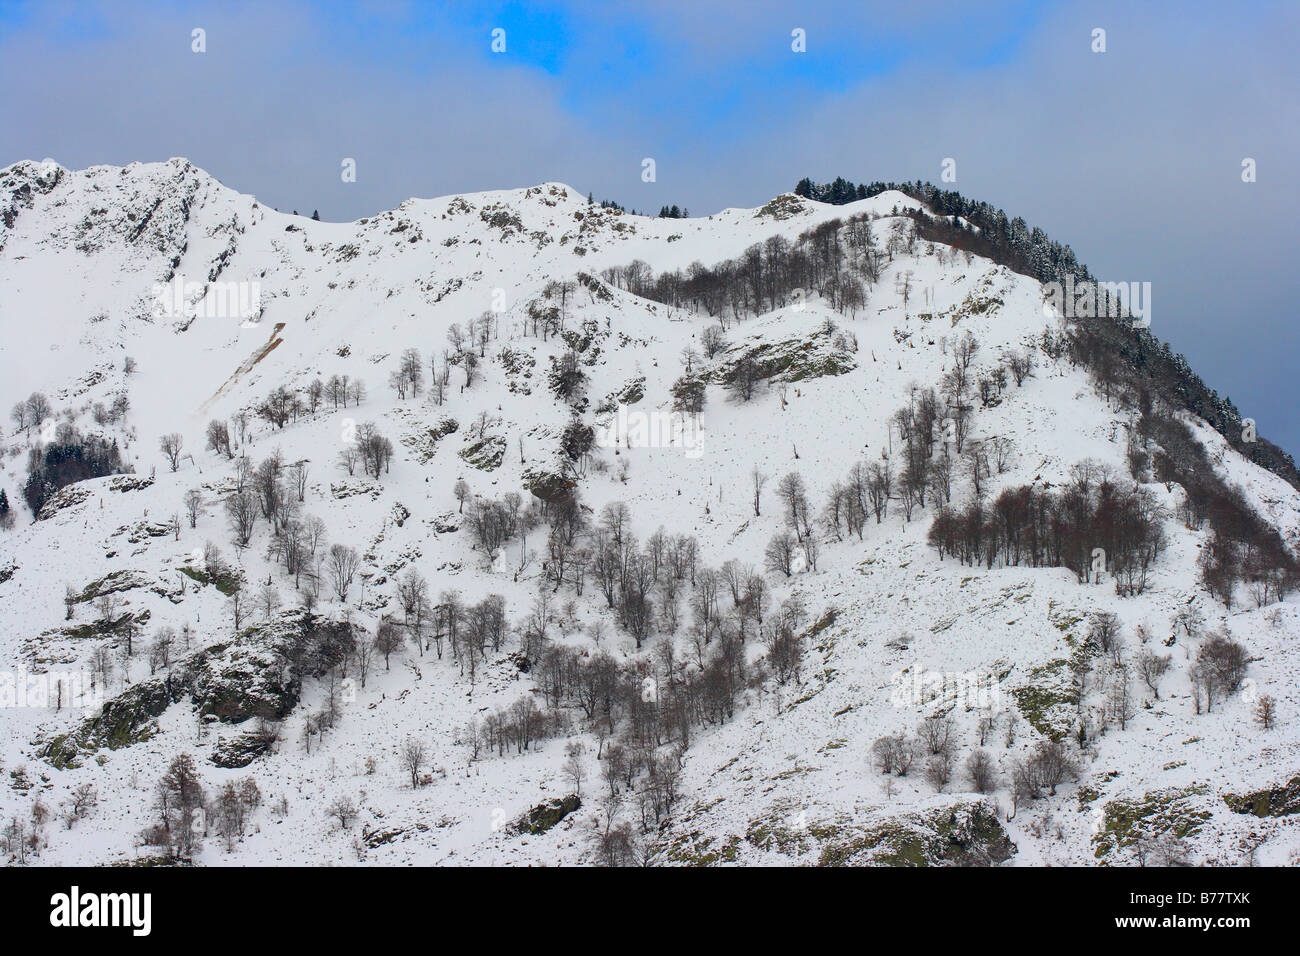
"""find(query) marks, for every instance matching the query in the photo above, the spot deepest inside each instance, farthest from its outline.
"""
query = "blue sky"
(1131, 156)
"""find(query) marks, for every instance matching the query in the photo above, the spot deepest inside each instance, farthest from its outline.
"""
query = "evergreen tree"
(4, 503)
(315, 215)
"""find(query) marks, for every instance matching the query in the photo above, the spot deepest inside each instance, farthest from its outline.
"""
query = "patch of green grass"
(794, 772)
(1155, 813)
(546, 815)
(1047, 701)
(794, 360)
(1063, 620)
(486, 454)
(782, 207)
(694, 849)
(225, 581)
(962, 834)
(1279, 801)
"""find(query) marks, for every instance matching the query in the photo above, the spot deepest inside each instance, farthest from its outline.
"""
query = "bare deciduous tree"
(193, 503)
(343, 563)
(980, 769)
(170, 445)
(413, 754)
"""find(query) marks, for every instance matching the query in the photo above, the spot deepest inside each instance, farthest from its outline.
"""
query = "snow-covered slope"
(90, 262)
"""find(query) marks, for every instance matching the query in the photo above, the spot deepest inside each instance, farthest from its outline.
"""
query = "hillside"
(543, 606)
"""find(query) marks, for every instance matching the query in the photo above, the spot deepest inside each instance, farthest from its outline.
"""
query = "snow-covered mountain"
(718, 671)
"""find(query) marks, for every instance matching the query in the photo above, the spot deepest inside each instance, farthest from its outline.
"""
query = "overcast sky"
(1132, 156)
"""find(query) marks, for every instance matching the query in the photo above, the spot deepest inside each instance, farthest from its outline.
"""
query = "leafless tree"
(83, 798)
(936, 734)
(268, 599)
(1152, 667)
(349, 456)
(343, 810)
(893, 754)
(1021, 365)
(343, 562)
(388, 640)
(298, 473)
(218, 438)
(938, 769)
(238, 608)
(1224, 660)
(1104, 630)
(241, 510)
(363, 654)
(980, 769)
(1266, 711)
(456, 336)
(38, 409)
(758, 478)
(1052, 764)
(193, 503)
(574, 768)
(170, 445)
(779, 554)
(413, 756)
(713, 340)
